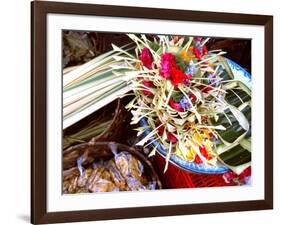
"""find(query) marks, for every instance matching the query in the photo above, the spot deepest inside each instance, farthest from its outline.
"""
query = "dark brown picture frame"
(39, 62)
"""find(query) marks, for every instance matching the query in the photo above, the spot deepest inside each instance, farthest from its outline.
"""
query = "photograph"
(145, 112)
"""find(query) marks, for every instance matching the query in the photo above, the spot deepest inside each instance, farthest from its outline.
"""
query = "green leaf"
(236, 97)
(177, 96)
(233, 129)
(237, 118)
(235, 156)
(154, 46)
(181, 62)
(225, 75)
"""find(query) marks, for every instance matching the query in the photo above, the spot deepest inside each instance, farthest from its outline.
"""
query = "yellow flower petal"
(185, 56)
(197, 138)
(190, 155)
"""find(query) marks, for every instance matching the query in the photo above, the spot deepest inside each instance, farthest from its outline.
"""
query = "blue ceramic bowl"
(239, 74)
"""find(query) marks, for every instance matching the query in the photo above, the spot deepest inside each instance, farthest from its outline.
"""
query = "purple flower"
(199, 47)
(185, 103)
(210, 78)
(248, 180)
(190, 69)
(213, 79)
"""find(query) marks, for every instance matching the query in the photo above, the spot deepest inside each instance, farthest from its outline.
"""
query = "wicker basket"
(119, 118)
(175, 177)
(118, 122)
(95, 151)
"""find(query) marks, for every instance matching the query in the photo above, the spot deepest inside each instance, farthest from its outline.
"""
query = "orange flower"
(185, 56)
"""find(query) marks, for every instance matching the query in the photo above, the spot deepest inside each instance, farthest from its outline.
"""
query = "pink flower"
(170, 70)
(232, 178)
(146, 58)
(229, 177)
(168, 63)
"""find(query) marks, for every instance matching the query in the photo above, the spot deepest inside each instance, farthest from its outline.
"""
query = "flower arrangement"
(194, 105)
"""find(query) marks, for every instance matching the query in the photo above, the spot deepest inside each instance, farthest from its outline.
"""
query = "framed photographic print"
(144, 112)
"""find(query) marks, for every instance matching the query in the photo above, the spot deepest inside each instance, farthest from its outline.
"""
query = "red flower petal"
(205, 51)
(175, 106)
(229, 177)
(172, 138)
(161, 130)
(148, 84)
(147, 92)
(188, 76)
(146, 58)
(197, 54)
(244, 174)
(197, 159)
(170, 70)
(204, 152)
(193, 98)
(177, 76)
(205, 89)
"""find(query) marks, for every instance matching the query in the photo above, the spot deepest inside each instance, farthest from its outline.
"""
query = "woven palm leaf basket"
(106, 167)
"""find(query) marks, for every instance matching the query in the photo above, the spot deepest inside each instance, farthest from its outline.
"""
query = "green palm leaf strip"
(89, 87)
(235, 150)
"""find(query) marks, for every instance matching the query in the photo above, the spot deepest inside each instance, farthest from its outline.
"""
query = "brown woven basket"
(92, 151)
(119, 114)
(118, 121)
